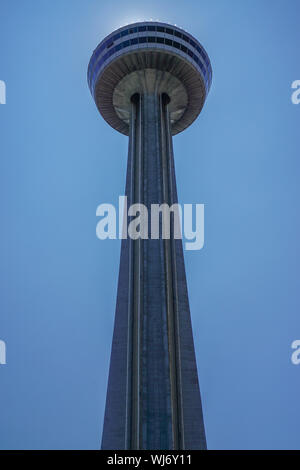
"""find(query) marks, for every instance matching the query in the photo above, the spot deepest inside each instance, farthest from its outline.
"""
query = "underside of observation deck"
(135, 72)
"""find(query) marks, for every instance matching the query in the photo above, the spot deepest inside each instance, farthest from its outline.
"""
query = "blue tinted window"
(178, 34)
(169, 31)
(124, 33)
(95, 64)
(204, 58)
(151, 28)
(141, 28)
(160, 29)
(185, 38)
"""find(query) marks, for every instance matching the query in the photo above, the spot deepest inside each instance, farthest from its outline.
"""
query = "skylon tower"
(150, 81)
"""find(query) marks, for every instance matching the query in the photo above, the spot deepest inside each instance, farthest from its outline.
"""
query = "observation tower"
(149, 81)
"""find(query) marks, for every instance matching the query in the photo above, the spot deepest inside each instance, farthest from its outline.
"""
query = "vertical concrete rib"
(137, 277)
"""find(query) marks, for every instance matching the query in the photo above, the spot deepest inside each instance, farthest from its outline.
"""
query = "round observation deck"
(149, 57)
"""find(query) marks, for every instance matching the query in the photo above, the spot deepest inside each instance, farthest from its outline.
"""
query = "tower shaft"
(153, 398)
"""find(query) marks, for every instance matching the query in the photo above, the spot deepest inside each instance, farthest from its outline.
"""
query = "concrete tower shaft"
(153, 399)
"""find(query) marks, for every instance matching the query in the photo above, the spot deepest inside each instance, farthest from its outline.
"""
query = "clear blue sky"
(60, 160)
